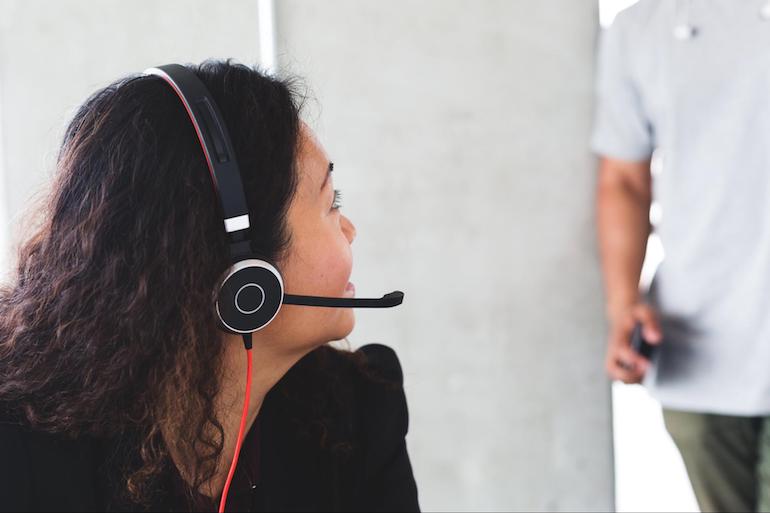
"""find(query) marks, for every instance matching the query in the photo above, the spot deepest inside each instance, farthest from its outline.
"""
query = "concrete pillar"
(459, 134)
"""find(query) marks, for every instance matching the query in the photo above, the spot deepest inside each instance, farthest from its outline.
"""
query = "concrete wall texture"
(459, 133)
(54, 54)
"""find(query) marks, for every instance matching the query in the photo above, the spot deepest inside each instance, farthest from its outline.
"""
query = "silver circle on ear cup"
(241, 274)
(238, 305)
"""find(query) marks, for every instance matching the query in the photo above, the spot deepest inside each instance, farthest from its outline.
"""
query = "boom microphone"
(386, 301)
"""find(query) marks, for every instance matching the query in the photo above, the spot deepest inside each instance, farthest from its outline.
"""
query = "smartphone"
(640, 345)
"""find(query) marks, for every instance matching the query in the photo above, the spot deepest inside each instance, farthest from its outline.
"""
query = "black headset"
(251, 292)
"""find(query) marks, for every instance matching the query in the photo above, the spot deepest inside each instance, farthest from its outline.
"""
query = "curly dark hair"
(110, 311)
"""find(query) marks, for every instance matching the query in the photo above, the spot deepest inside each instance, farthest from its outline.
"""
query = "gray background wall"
(54, 53)
(459, 134)
(458, 130)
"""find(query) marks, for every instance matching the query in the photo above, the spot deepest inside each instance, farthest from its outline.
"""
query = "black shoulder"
(382, 362)
(369, 381)
(363, 392)
(380, 399)
(44, 471)
(372, 363)
(389, 483)
(15, 478)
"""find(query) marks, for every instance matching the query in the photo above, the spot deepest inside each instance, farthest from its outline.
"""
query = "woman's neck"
(270, 364)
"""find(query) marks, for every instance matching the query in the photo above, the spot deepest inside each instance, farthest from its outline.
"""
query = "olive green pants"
(727, 458)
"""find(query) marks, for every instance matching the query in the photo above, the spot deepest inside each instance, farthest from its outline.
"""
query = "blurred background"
(459, 131)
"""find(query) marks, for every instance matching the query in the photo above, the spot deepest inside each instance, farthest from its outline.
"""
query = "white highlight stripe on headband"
(233, 224)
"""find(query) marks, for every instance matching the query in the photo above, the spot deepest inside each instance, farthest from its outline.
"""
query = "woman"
(118, 391)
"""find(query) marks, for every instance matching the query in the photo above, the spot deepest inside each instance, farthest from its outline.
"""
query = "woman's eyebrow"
(328, 174)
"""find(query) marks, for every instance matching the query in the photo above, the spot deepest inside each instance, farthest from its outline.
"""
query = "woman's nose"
(349, 229)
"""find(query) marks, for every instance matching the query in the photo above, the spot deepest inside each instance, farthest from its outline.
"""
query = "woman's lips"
(350, 290)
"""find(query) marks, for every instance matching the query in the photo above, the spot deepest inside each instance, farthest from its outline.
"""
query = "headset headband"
(226, 178)
(218, 149)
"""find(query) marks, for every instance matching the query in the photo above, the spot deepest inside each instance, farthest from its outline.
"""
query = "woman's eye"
(337, 203)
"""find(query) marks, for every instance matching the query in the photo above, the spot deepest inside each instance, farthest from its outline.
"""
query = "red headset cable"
(242, 428)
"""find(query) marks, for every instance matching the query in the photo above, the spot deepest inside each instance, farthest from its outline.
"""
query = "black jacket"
(353, 459)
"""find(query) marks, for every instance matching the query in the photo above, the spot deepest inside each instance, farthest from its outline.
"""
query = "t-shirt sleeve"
(390, 483)
(621, 129)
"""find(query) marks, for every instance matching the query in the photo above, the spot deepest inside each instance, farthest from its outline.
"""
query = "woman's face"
(319, 259)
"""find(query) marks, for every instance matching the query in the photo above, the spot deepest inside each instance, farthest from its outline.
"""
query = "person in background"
(691, 79)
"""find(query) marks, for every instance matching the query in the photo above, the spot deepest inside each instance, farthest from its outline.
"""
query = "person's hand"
(622, 362)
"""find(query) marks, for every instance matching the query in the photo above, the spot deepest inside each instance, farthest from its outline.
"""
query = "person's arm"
(623, 220)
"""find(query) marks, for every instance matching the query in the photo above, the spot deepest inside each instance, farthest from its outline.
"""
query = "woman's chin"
(345, 324)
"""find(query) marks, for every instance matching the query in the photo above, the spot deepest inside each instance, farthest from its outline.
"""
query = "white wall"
(53, 54)
(459, 133)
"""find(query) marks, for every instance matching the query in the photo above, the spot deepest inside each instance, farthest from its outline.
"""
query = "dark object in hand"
(640, 345)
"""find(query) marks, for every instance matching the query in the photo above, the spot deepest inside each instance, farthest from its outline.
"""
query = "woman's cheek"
(338, 262)
(336, 271)
(345, 262)
(322, 263)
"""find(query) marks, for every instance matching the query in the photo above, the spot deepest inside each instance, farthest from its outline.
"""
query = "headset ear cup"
(250, 296)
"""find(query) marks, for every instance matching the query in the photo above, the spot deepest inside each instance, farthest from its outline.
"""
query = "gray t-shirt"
(704, 103)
